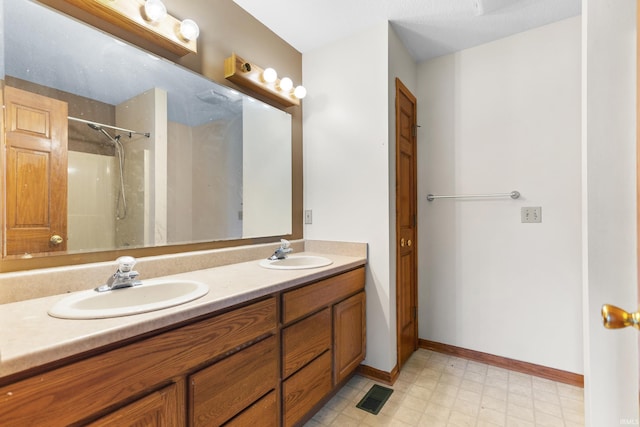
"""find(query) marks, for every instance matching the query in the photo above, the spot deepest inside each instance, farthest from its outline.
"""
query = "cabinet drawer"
(224, 389)
(155, 410)
(306, 388)
(304, 341)
(308, 299)
(263, 413)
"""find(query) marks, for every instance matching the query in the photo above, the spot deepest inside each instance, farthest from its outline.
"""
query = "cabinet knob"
(402, 242)
(409, 242)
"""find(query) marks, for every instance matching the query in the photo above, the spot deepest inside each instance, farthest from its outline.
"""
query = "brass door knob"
(409, 242)
(615, 318)
(402, 242)
(56, 240)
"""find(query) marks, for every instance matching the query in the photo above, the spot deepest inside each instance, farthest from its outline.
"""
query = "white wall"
(609, 208)
(266, 170)
(346, 166)
(146, 112)
(179, 182)
(495, 118)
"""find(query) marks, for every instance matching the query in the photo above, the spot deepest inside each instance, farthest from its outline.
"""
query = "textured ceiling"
(428, 28)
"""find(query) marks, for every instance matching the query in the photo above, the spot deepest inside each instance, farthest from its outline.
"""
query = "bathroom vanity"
(251, 354)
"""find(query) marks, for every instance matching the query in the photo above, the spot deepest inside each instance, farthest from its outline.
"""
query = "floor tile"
(436, 390)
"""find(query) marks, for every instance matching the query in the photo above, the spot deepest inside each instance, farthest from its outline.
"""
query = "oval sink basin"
(296, 262)
(150, 296)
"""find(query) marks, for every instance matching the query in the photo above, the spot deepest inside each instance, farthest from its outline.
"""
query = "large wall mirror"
(156, 154)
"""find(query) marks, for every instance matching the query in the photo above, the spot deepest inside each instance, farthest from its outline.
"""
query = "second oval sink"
(296, 262)
(150, 296)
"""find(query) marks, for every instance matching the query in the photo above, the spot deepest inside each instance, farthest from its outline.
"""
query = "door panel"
(36, 173)
(406, 248)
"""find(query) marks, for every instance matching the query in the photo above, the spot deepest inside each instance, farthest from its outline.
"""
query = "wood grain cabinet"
(349, 336)
(112, 382)
(269, 362)
(323, 341)
(224, 389)
(159, 408)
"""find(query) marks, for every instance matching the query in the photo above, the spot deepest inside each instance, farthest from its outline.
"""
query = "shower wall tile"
(91, 201)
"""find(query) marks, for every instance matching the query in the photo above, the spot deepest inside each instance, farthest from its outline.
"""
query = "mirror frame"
(12, 263)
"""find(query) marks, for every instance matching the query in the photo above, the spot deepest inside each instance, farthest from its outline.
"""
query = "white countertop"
(29, 337)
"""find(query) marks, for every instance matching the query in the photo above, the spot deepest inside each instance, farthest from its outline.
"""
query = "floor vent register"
(375, 399)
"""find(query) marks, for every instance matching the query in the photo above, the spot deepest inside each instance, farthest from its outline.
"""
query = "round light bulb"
(286, 84)
(299, 92)
(189, 29)
(269, 75)
(155, 10)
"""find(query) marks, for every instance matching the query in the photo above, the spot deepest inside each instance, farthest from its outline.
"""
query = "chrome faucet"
(282, 251)
(124, 277)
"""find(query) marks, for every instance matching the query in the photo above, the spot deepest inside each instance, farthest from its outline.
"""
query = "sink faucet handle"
(126, 263)
(285, 244)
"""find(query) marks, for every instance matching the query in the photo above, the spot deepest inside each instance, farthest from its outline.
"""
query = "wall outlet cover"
(531, 214)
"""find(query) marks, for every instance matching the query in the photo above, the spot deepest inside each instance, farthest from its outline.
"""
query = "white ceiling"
(428, 28)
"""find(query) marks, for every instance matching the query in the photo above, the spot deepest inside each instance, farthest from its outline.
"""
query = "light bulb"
(299, 92)
(155, 10)
(269, 75)
(189, 29)
(286, 84)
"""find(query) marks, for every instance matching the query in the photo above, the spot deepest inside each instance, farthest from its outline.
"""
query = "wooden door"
(36, 173)
(406, 224)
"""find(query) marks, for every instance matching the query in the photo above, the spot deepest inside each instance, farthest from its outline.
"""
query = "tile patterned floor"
(437, 390)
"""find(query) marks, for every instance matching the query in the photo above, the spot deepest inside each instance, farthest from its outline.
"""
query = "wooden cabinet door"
(349, 345)
(159, 409)
(35, 173)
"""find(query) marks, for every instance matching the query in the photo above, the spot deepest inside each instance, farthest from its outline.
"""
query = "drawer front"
(155, 410)
(222, 390)
(263, 413)
(304, 341)
(302, 391)
(305, 300)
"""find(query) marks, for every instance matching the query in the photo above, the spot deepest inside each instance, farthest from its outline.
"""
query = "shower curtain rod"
(514, 195)
(130, 132)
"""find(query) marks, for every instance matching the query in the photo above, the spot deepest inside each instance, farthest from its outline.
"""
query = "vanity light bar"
(264, 82)
(160, 28)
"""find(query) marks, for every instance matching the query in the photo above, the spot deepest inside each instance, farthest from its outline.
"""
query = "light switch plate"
(308, 216)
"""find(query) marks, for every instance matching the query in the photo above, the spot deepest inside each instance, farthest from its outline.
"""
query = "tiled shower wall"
(91, 207)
